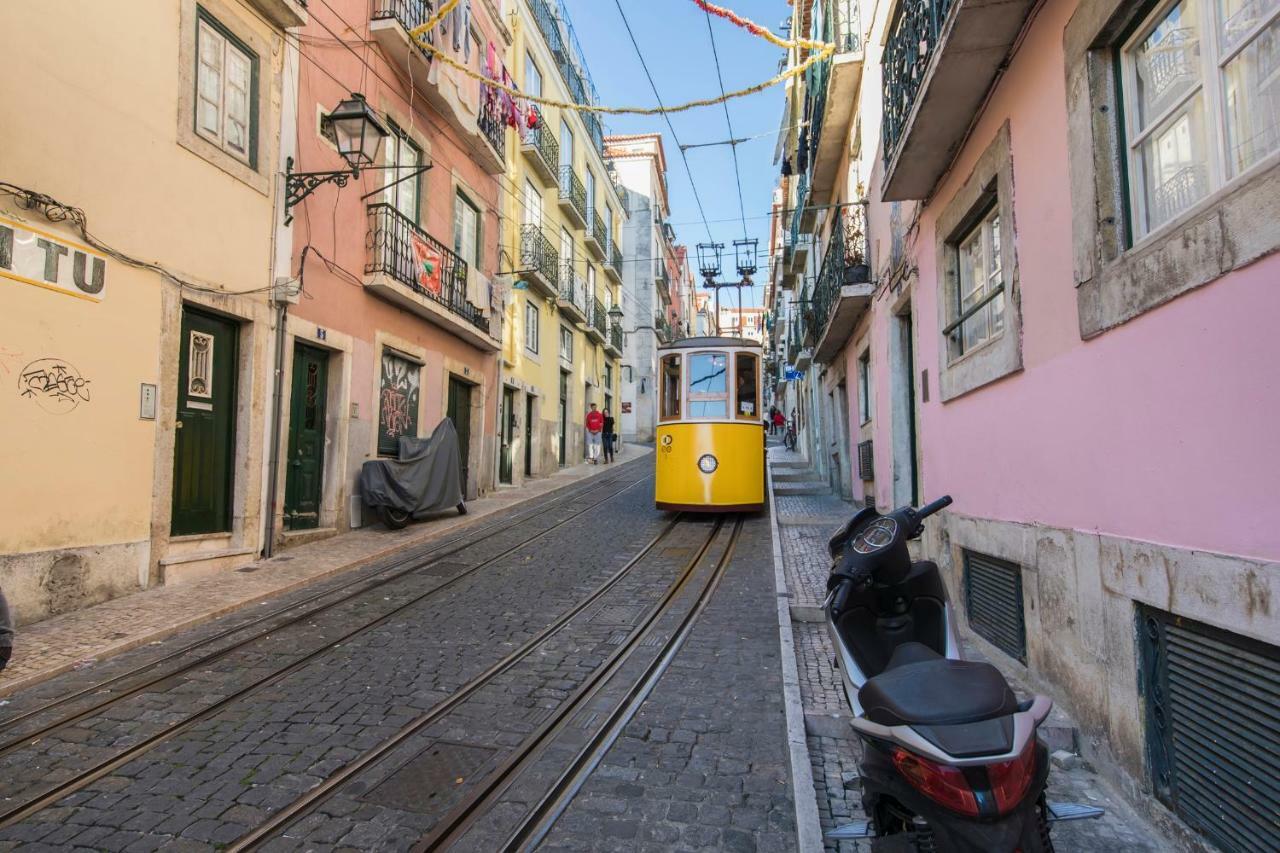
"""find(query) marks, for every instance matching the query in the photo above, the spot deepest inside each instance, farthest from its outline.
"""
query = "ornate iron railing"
(571, 188)
(539, 253)
(907, 55)
(598, 317)
(845, 262)
(599, 232)
(802, 199)
(663, 328)
(543, 139)
(572, 288)
(400, 249)
(493, 119)
(558, 33)
(615, 337)
(615, 258)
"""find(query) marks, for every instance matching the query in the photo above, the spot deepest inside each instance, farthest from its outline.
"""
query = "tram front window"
(745, 364)
(671, 388)
(708, 388)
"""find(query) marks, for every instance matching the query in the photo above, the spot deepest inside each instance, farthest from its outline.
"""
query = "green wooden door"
(507, 434)
(460, 413)
(204, 436)
(306, 438)
(528, 435)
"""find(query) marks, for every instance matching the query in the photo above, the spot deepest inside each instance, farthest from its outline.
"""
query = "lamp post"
(358, 133)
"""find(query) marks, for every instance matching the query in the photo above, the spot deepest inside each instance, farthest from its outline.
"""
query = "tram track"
(82, 779)
(420, 558)
(454, 826)
(304, 805)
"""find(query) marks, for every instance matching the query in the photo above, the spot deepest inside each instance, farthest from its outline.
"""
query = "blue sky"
(677, 47)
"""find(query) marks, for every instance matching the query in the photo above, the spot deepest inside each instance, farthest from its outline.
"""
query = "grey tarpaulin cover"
(426, 478)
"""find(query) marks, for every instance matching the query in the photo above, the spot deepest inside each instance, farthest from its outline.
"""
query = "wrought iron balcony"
(615, 340)
(573, 293)
(553, 21)
(832, 87)
(409, 267)
(613, 268)
(843, 289)
(940, 60)
(662, 327)
(542, 150)
(597, 239)
(573, 196)
(481, 124)
(598, 328)
(539, 258)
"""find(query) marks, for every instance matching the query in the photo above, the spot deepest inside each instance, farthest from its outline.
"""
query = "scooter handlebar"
(929, 509)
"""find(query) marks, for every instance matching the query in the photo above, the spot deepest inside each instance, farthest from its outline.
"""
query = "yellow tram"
(710, 428)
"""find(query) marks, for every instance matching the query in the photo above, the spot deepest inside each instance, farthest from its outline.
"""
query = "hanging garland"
(822, 51)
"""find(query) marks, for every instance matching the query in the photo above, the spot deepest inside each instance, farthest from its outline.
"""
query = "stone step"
(795, 475)
(788, 463)
(809, 487)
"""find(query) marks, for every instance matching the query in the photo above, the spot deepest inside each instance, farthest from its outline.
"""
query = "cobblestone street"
(806, 516)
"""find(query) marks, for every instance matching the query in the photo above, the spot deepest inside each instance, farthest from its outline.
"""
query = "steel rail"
(534, 827)
(311, 799)
(48, 798)
(430, 555)
(460, 819)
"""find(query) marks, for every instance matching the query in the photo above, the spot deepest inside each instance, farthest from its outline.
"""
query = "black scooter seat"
(923, 688)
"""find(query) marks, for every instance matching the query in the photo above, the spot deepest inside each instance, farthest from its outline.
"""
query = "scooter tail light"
(944, 785)
(1010, 779)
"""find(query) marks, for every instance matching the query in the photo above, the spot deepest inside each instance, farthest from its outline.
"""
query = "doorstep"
(84, 637)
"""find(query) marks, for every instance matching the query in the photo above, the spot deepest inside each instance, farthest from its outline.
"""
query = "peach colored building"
(398, 321)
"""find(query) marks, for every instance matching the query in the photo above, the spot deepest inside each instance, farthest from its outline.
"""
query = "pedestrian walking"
(595, 425)
(609, 437)
(6, 632)
(779, 421)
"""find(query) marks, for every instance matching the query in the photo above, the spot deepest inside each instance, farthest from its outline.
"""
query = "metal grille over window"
(1213, 736)
(993, 603)
(866, 471)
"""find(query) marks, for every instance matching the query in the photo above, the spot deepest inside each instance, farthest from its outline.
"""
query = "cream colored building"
(136, 382)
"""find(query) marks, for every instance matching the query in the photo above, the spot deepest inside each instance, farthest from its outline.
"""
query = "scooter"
(951, 758)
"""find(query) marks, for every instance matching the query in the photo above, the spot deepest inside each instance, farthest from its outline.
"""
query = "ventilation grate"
(993, 602)
(1213, 734)
(865, 470)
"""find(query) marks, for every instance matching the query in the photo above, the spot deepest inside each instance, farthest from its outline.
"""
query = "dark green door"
(460, 413)
(507, 429)
(306, 438)
(528, 434)
(204, 435)
(564, 415)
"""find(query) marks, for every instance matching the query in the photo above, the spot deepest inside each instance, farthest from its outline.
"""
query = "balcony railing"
(553, 21)
(573, 290)
(599, 231)
(572, 191)
(615, 260)
(599, 320)
(906, 59)
(493, 119)
(411, 256)
(539, 254)
(844, 263)
(543, 140)
(615, 337)
(663, 329)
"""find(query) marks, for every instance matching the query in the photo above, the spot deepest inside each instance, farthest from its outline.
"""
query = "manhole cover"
(431, 781)
(616, 614)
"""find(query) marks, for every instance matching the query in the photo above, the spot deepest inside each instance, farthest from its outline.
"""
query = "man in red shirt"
(595, 425)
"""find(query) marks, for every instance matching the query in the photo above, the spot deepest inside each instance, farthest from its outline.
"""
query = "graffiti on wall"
(55, 385)
(398, 396)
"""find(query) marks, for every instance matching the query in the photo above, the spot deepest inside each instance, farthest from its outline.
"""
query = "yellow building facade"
(138, 230)
(562, 226)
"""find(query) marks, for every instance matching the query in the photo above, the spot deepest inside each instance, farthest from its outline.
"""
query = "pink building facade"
(397, 318)
(1062, 316)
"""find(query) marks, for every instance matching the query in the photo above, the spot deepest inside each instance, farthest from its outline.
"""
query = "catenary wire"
(733, 145)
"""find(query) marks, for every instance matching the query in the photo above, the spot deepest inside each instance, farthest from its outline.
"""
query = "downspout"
(277, 401)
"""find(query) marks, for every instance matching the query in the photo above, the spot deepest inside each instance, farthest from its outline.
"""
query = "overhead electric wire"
(674, 136)
(733, 143)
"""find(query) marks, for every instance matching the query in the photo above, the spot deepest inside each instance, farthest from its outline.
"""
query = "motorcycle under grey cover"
(426, 478)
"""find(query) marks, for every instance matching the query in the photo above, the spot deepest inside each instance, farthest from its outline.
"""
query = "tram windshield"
(745, 367)
(708, 386)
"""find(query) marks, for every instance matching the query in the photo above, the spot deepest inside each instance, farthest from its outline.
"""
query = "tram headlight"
(707, 463)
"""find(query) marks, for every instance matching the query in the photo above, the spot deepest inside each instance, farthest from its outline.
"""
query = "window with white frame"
(1201, 83)
(226, 90)
(403, 156)
(531, 320)
(978, 312)
(532, 77)
(566, 343)
(466, 230)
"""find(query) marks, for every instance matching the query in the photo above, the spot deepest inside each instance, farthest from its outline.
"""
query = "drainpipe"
(277, 401)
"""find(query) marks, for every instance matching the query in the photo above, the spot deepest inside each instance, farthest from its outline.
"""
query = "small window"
(708, 388)
(608, 376)
(466, 230)
(398, 395)
(864, 388)
(566, 343)
(403, 156)
(226, 90)
(566, 145)
(1193, 67)
(747, 377)
(532, 77)
(531, 318)
(671, 388)
(978, 305)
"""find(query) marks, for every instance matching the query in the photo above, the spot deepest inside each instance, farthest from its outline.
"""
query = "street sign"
(793, 374)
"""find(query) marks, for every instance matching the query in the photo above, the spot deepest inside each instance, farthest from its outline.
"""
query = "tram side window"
(671, 388)
(747, 381)
(708, 385)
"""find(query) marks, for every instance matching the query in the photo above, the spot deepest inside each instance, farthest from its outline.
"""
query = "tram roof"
(703, 343)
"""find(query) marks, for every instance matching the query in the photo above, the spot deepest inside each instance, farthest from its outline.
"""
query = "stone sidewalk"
(807, 514)
(84, 637)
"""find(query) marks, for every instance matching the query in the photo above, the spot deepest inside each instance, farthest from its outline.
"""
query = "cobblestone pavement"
(805, 522)
(702, 765)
